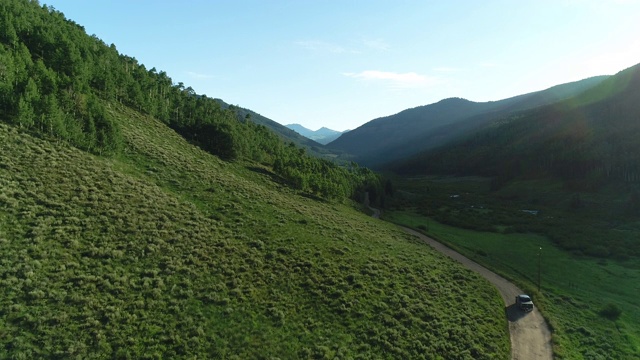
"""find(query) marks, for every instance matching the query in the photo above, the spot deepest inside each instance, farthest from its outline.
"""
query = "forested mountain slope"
(584, 150)
(411, 131)
(588, 140)
(139, 220)
(59, 82)
(284, 132)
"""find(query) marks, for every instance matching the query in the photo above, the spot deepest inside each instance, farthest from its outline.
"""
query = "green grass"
(167, 252)
(596, 224)
(574, 288)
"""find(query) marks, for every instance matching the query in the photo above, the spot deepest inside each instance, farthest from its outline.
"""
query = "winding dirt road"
(530, 335)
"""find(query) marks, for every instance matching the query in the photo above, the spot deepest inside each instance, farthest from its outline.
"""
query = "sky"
(340, 64)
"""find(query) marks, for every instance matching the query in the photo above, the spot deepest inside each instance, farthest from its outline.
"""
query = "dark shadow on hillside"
(278, 179)
(312, 197)
(274, 177)
(514, 313)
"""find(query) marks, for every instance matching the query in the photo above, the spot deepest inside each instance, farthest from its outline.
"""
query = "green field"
(574, 289)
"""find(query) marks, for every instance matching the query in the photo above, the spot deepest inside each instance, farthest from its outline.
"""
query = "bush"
(611, 312)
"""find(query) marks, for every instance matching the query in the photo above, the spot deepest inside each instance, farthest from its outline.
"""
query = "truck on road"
(524, 303)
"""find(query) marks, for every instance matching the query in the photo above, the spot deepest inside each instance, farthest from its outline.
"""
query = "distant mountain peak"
(323, 135)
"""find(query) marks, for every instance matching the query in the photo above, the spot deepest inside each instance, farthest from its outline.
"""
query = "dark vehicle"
(524, 303)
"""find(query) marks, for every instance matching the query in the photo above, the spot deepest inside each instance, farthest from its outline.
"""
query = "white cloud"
(323, 47)
(396, 80)
(196, 75)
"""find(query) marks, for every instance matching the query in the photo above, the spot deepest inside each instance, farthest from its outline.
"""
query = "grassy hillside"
(167, 251)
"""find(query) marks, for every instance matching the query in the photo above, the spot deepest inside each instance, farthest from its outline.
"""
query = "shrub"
(611, 312)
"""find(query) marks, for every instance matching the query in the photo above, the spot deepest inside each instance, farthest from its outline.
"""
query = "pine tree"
(26, 114)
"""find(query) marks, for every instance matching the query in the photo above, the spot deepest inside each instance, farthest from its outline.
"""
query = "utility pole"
(539, 265)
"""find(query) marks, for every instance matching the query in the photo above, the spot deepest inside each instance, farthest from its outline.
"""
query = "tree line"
(56, 80)
(44, 80)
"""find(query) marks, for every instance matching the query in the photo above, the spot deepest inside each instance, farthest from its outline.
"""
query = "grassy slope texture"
(164, 251)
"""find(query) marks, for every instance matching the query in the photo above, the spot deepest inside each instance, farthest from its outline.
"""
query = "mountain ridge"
(313, 146)
(594, 117)
(394, 137)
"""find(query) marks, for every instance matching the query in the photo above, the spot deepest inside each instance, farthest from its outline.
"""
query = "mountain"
(140, 220)
(411, 131)
(586, 141)
(579, 156)
(322, 135)
(312, 145)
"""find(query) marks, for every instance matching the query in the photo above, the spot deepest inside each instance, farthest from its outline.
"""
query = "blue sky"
(341, 64)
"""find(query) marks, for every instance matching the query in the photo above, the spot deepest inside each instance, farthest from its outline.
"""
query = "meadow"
(577, 292)
(165, 251)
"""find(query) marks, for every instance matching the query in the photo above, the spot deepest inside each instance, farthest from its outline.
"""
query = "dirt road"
(530, 335)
